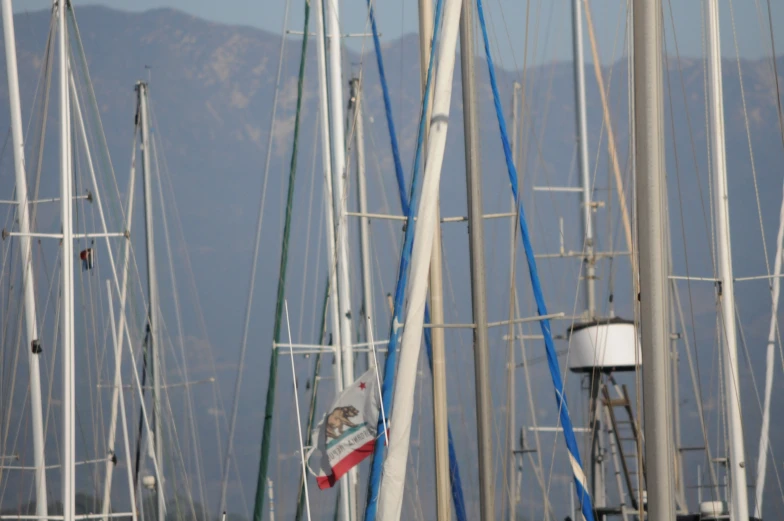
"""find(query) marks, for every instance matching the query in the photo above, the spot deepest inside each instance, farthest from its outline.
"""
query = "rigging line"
(565, 374)
(555, 204)
(313, 396)
(401, 180)
(217, 394)
(776, 73)
(696, 369)
(774, 326)
(180, 332)
(7, 249)
(254, 262)
(568, 431)
(408, 207)
(610, 138)
(280, 303)
(515, 308)
(140, 430)
(14, 372)
(306, 256)
(385, 206)
(319, 248)
(100, 134)
(748, 138)
(80, 224)
(747, 354)
(178, 457)
(53, 358)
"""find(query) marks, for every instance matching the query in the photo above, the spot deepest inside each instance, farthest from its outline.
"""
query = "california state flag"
(347, 433)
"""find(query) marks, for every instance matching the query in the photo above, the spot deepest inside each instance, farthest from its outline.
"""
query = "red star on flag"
(362, 385)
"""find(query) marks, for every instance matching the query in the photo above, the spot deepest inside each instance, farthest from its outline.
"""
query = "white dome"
(608, 345)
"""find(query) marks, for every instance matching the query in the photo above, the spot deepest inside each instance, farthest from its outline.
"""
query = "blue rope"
(394, 336)
(552, 360)
(401, 180)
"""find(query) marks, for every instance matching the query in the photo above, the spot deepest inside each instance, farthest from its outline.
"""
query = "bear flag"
(347, 433)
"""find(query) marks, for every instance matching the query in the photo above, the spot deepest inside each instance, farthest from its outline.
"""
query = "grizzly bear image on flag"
(347, 433)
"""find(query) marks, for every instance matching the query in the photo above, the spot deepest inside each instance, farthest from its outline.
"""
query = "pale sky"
(549, 23)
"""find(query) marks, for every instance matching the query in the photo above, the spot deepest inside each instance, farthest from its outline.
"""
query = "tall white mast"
(68, 475)
(364, 222)
(152, 290)
(339, 195)
(326, 161)
(650, 187)
(28, 280)
(739, 503)
(118, 338)
(393, 479)
(764, 443)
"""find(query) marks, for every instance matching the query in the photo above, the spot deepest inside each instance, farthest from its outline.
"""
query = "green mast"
(266, 437)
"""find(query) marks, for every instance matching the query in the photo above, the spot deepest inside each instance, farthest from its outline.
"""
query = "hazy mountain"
(212, 89)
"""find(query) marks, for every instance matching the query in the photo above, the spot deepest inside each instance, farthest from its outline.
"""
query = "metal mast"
(440, 416)
(739, 503)
(650, 186)
(335, 94)
(597, 467)
(585, 172)
(326, 161)
(67, 317)
(484, 406)
(364, 222)
(118, 337)
(152, 290)
(770, 365)
(511, 421)
(28, 280)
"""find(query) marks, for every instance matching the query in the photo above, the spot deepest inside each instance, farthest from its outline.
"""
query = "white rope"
(299, 420)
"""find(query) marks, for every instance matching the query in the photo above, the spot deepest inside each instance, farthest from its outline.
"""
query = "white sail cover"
(390, 501)
(347, 433)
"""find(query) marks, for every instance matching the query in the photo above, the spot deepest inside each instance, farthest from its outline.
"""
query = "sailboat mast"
(118, 339)
(28, 280)
(598, 492)
(511, 366)
(585, 173)
(649, 188)
(67, 316)
(484, 405)
(335, 93)
(770, 365)
(739, 503)
(152, 290)
(364, 222)
(440, 415)
(326, 161)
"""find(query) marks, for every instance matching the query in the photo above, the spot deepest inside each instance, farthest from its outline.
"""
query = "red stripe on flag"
(345, 465)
